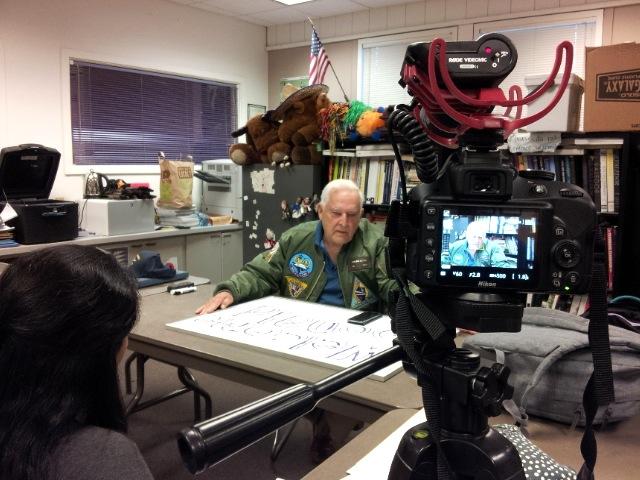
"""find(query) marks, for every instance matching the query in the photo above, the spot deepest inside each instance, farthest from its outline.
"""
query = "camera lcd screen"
(488, 249)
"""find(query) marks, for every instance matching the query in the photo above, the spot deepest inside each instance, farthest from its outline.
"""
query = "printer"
(27, 173)
(221, 188)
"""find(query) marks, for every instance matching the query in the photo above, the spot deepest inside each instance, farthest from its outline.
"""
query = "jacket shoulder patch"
(295, 286)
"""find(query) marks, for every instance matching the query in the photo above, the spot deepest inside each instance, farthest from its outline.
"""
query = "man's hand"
(219, 300)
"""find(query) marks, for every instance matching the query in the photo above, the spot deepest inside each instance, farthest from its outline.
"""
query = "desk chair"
(186, 378)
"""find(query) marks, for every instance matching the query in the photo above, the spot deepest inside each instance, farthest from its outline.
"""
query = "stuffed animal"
(300, 127)
(263, 144)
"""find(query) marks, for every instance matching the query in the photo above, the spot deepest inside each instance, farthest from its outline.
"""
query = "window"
(536, 40)
(124, 116)
(379, 63)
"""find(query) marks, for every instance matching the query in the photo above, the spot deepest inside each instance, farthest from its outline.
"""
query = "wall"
(37, 36)
(288, 44)
(294, 62)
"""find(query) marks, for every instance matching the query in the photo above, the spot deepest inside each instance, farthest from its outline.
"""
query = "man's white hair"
(339, 185)
(477, 227)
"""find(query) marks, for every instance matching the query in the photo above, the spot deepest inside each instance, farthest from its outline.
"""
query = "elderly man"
(475, 250)
(338, 260)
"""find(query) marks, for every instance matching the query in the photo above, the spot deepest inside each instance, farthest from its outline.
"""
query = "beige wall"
(620, 24)
(294, 62)
(625, 22)
(36, 36)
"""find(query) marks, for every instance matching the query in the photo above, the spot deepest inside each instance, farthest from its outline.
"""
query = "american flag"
(318, 60)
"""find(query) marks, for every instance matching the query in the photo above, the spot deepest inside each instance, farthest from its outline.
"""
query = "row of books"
(377, 177)
(597, 171)
(575, 304)
(566, 168)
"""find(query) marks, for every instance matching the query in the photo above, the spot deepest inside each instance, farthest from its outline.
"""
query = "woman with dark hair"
(65, 313)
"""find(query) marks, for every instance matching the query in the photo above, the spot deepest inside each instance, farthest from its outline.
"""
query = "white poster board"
(309, 332)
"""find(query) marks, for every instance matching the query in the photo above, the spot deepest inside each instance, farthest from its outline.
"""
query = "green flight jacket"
(294, 268)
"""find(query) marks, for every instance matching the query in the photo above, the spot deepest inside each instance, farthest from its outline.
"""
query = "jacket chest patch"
(361, 295)
(359, 263)
(301, 265)
(295, 286)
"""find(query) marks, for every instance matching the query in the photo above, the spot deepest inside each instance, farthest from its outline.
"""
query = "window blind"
(536, 46)
(123, 116)
(381, 61)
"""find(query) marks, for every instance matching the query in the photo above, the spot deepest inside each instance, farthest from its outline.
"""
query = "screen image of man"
(476, 250)
(338, 260)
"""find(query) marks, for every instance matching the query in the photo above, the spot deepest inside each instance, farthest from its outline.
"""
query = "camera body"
(539, 232)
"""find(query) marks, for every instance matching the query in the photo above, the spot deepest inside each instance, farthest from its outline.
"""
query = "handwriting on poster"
(308, 331)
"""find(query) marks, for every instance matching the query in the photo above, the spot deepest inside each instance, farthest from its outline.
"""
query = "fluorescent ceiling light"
(292, 2)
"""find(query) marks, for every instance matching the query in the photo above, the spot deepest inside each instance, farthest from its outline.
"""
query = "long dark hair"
(64, 312)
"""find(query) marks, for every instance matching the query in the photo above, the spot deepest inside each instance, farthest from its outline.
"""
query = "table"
(365, 400)
(617, 446)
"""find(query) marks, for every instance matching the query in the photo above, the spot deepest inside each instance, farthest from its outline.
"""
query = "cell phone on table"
(179, 286)
(364, 317)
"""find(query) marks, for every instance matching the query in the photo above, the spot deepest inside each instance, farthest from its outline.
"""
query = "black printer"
(27, 173)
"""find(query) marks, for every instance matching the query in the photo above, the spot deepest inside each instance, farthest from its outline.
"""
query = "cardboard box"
(565, 117)
(612, 88)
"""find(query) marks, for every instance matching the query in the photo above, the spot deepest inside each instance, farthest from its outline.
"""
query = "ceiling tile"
(276, 17)
(240, 7)
(380, 3)
(327, 8)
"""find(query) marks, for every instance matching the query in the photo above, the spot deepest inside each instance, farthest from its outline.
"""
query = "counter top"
(132, 237)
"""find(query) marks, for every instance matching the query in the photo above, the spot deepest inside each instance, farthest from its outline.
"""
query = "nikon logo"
(487, 284)
(619, 86)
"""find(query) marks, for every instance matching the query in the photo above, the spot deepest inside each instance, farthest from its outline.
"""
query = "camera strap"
(410, 318)
(599, 391)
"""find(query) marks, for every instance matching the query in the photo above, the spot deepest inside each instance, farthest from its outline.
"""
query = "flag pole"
(332, 69)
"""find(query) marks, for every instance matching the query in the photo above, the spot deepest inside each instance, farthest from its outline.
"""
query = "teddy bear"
(300, 128)
(263, 144)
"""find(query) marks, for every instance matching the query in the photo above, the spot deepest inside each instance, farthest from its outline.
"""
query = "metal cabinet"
(170, 249)
(216, 256)
(231, 253)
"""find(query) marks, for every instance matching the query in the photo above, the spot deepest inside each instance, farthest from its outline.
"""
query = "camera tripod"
(459, 396)
(456, 442)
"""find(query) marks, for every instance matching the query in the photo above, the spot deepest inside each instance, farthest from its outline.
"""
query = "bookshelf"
(580, 154)
(374, 169)
(607, 165)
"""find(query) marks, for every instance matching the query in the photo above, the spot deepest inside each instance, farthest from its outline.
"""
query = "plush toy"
(300, 127)
(263, 144)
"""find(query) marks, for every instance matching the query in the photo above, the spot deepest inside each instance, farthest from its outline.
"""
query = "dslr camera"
(537, 233)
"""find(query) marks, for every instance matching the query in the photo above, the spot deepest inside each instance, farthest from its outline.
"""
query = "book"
(610, 183)
(616, 180)
(594, 186)
(610, 243)
(372, 181)
(603, 180)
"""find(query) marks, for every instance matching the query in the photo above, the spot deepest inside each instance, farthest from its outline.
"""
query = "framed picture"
(297, 82)
(253, 110)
